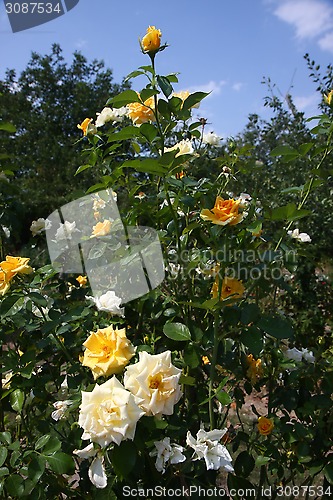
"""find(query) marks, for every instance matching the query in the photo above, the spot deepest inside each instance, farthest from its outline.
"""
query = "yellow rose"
(109, 413)
(102, 228)
(4, 283)
(82, 280)
(107, 351)
(254, 371)
(329, 98)
(141, 113)
(152, 40)
(14, 265)
(230, 287)
(224, 212)
(84, 126)
(265, 426)
(155, 382)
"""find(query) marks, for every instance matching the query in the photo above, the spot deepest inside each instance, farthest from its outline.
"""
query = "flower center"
(228, 289)
(156, 381)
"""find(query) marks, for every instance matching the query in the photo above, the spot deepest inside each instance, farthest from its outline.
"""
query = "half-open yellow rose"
(224, 212)
(4, 283)
(230, 287)
(152, 40)
(14, 265)
(84, 126)
(265, 426)
(254, 371)
(107, 351)
(141, 113)
(102, 228)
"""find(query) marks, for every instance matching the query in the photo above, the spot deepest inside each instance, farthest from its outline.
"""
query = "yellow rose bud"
(265, 426)
(107, 351)
(84, 126)
(82, 280)
(152, 40)
(329, 98)
(224, 212)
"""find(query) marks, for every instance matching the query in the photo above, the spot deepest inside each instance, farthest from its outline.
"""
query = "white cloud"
(304, 102)
(81, 43)
(310, 18)
(326, 42)
(212, 86)
(237, 86)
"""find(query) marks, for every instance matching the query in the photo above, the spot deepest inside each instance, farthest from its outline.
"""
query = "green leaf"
(133, 74)
(224, 398)
(284, 151)
(252, 338)
(123, 458)
(293, 189)
(148, 131)
(61, 463)
(147, 93)
(276, 326)
(194, 99)
(250, 313)
(4, 471)
(53, 445)
(82, 168)
(328, 471)
(187, 380)
(124, 134)
(126, 97)
(42, 441)
(164, 109)
(16, 399)
(165, 85)
(305, 148)
(14, 485)
(172, 77)
(7, 127)
(284, 212)
(176, 331)
(3, 455)
(11, 305)
(148, 166)
(5, 437)
(36, 469)
(261, 460)
(38, 299)
(244, 464)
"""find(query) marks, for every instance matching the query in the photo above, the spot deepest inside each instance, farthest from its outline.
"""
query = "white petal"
(87, 452)
(97, 474)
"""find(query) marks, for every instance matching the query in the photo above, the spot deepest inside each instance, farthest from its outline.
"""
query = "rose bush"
(98, 394)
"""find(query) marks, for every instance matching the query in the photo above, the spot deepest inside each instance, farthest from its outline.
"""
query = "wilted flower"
(166, 452)
(154, 380)
(224, 212)
(102, 228)
(108, 302)
(39, 225)
(107, 351)
(141, 113)
(265, 426)
(110, 115)
(152, 40)
(65, 231)
(230, 287)
(109, 413)
(207, 446)
(211, 139)
(303, 237)
(297, 355)
(60, 409)
(86, 126)
(254, 371)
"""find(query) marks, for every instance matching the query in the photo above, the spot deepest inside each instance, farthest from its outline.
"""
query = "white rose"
(65, 231)
(109, 413)
(108, 302)
(185, 148)
(303, 237)
(110, 115)
(166, 452)
(155, 382)
(211, 139)
(207, 446)
(39, 225)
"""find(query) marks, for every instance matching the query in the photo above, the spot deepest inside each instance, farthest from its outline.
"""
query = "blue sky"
(222, 46)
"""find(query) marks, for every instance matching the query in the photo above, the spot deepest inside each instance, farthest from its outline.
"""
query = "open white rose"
(109, 413)
(185, 148)
(39, 225)
(65, 231)
(166, 452)
(108, 302)
(211, 139)
(154, 380)
(110, 115)
(207, 446)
